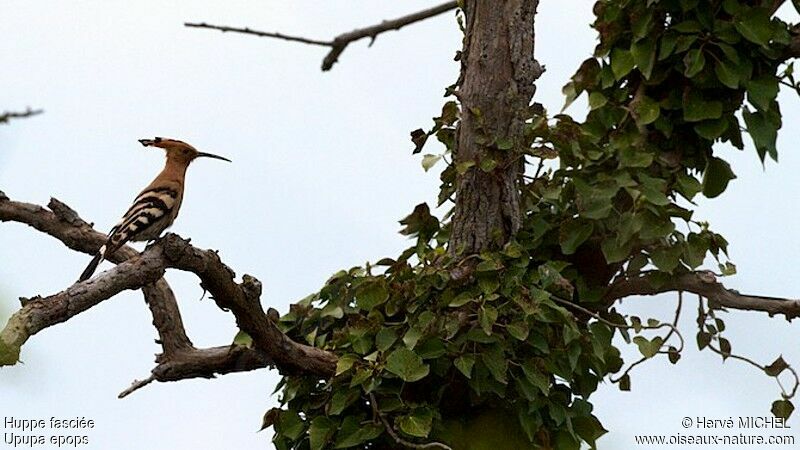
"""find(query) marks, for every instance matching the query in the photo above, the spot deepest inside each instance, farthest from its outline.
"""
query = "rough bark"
(495, 90)
(180, 358)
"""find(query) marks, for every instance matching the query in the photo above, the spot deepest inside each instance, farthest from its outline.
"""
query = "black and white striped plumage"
(153, 211)
(156, 207)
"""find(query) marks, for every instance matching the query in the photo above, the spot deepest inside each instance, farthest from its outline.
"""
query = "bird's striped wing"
(149, 215)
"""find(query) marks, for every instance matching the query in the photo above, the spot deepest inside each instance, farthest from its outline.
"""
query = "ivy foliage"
(503, 349)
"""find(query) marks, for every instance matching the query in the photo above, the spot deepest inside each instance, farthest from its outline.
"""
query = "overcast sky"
(322, 172)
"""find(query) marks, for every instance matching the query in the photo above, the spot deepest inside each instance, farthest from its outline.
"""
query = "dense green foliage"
(446, 349)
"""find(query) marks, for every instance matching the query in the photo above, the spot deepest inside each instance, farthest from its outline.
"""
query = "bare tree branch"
(203, 363)
(705, 284)
(180, 359)
(340, 42)
(8, 115)
(64, 224)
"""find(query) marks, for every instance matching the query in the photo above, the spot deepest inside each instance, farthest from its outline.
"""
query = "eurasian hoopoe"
(156, 207)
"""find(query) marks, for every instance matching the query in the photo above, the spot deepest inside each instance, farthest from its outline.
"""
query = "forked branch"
(339, 43)
(180, 359)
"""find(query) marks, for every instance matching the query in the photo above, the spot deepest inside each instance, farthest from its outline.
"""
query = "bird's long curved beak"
(211, 155)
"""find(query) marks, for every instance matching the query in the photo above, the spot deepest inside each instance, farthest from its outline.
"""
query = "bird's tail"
(98, 258)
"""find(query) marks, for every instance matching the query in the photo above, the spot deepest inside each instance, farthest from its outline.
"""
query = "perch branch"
(180, 359)
(63, 223)
(340, 42)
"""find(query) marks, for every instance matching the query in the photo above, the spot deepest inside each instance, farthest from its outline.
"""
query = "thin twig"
(702, 320)
(569, 304)
(137, 384)
(247, 30)
(394, 435)
(340, 42)
(666, 338)
(8, 115)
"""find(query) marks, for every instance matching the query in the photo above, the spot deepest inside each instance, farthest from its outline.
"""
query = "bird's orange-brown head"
(178, 151)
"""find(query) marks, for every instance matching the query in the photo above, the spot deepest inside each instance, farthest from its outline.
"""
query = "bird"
(156, 207)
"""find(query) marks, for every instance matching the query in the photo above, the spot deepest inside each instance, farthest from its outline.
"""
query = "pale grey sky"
(322, 172)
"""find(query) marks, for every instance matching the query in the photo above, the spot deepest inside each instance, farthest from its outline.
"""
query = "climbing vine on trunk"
(501, 316)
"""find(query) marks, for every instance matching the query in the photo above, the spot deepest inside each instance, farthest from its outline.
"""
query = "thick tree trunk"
(496, 87)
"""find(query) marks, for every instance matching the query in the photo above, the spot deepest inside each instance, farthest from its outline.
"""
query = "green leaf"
(712, 129)
(725, 347)
(429, 161)
(621, 62)
(635, 157)
(353, 433)
(488, 283)
(385, 338)
(411, 337)
(688, 27)
(341, 399)
(688, 186)
(761, 92)
(518, 330)
(695, 108)
(755, 26)
(727, 269)
(782, 408)
(648, 348)
(243, 339)
(763, 128)
(461, 299)
(418, 137)
(625, 383)
(536, 377)
(673, 354)
(371, 294)
(344, 363)
(717, 175)
(270, 417)
(464, 364)
(487, 316)
(654, 195)
(321, 431)
(777, 366)
(497, 363)
(615, 251)
(407, 365)
(694, 61)
(589, 428)
(290, 424)
(574, 233)
(644, 55)
(570, 94)
(488, 164)
(505, 144)
(667, 46)
(642, 25)
(597, 100)
(666, 258)
(418, 423)
(703, 339)
(646, 110)
(462, 167)
(727, 74)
